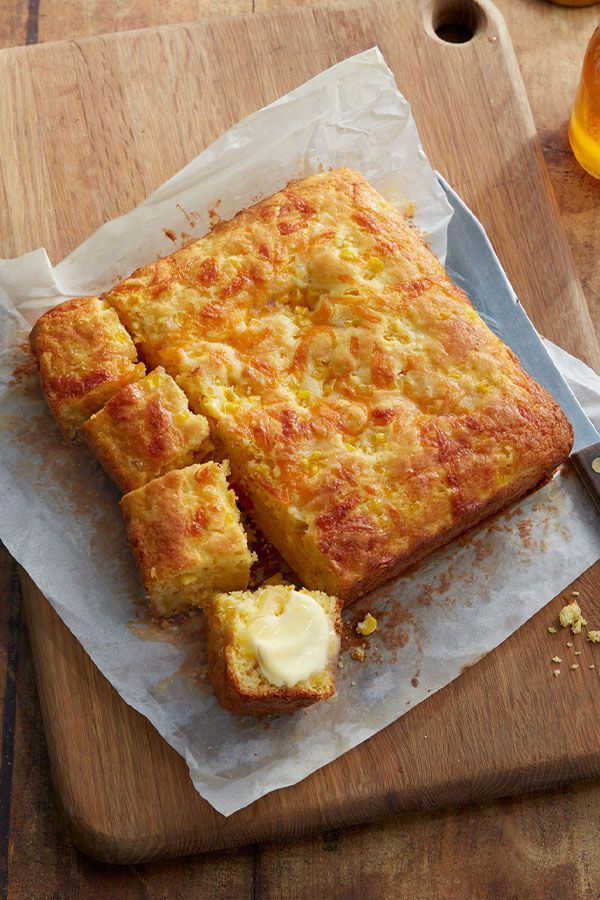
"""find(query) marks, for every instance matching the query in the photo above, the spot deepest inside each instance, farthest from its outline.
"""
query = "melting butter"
(292, 645)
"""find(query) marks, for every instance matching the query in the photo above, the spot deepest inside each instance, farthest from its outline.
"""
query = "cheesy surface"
(145, 430)
(186, 536)
(84, 356)
(368, 412)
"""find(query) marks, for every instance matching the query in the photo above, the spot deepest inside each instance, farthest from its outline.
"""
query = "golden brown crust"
(84, 356)
(145, 430)
(367, 411)
(229, 685)
(186, 537)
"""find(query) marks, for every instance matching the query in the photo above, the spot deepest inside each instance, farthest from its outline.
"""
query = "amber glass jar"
(584, 129)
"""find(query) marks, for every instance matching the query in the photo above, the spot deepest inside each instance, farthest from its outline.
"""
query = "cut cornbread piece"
(368, 412)
(186, 536)
(145, 430)
(84, 356)
(273, 649)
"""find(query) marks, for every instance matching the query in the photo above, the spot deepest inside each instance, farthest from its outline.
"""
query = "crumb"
(358, 653)
(577, 653)
(569, 643)
(575, 666)
(591, 666)
(594, 637)
(277, 578)
(552, 630)
(570, 615)
(556, 659)
(574, 593)
(170, 234)
(556, 673)
(352, 684)
(340, 664)
(367, 626)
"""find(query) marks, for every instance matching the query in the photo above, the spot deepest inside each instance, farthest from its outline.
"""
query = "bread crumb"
(552, 630)
(594, 637)
(556, 659)
(367, 626)
(570, 615)
(577, 653)
(358, 653)
(340, 664)
(569, 643)
(556, 673)
(574, 593)
(353, 684)
(575, 666)
(591, 666)
(277, 578)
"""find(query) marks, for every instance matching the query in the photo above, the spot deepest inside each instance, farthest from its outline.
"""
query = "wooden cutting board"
(88, 129)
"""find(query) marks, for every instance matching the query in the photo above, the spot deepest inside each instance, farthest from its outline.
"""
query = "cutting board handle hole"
(457, 21)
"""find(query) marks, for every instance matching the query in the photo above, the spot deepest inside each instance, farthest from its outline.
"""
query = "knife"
(473, 265)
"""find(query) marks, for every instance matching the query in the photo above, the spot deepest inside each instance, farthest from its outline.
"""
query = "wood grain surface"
(549, 840)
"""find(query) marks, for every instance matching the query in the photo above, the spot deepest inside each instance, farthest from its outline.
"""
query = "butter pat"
(292, 644)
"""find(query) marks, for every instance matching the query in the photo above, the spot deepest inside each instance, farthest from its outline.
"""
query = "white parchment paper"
(59, 515)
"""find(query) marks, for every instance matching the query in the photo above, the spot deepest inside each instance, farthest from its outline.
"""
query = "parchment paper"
(59, 515)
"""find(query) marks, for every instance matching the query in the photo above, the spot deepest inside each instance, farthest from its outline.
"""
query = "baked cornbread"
(273, 649)
(368, 412)
(84, 356)
(187, 540)
(145, 430)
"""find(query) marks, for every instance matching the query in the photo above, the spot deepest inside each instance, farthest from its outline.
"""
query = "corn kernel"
(348, 254)
(367, 626)
(187, 579)
(153, 380)
(181, 418)
(304, 395)
(375, 265)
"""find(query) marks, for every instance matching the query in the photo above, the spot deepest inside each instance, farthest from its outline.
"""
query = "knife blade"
(473, 265)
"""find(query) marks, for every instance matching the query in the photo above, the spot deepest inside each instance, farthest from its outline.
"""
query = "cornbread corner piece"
(145, 430)
(84, 356)
(368, 413)
(186, 536)
(272, 650)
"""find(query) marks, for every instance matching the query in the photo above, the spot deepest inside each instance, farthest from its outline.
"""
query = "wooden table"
(540, 846)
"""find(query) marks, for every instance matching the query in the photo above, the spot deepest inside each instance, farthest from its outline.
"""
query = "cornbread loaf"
(84, 356)
(145, 430)
(256, 649)
(186, 536)
(368, 412)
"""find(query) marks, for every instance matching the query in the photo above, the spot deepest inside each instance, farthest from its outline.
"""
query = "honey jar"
(584, 129)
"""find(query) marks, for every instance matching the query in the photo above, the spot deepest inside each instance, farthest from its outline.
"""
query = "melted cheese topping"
(290, 644)
(354, 388)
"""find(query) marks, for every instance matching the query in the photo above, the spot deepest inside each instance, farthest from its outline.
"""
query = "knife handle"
(587, 466)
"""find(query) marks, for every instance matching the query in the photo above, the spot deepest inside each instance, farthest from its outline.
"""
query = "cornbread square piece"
(367, 411)
(186, 536)
(84, 356)
(243, 646)
(145, 430)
